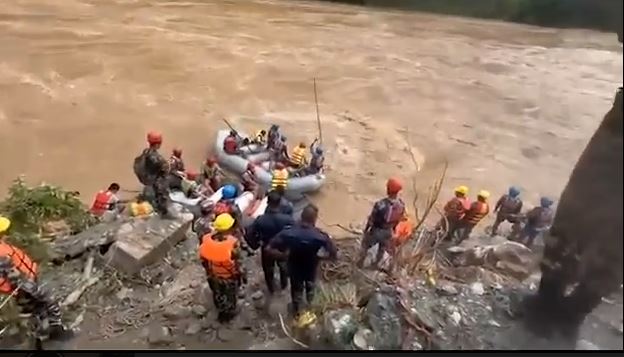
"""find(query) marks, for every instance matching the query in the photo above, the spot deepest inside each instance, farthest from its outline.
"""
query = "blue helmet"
(514, 191)
(229, 192)
(546, 202)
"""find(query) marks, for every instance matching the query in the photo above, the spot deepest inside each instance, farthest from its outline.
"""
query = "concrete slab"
(142, 242)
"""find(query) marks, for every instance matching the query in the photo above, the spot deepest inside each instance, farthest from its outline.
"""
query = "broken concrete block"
(148, 241)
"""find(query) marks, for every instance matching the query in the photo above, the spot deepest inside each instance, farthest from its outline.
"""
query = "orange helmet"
(177, 152)
(393, 186)
(154, 137)
(191, 175)
(211, 161)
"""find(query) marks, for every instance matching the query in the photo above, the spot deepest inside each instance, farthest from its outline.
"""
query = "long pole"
(318, 117)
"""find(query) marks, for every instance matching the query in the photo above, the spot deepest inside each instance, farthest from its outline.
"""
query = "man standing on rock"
(18, 278)
(300, 245)
(220, 255)
(538, 221)
(478, 210)
(260, 233)
(384, 217)
(152, 170)
(507, 208)
(454, 211)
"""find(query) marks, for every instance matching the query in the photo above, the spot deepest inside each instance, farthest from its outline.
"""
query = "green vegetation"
(30, 208)
(594, 14)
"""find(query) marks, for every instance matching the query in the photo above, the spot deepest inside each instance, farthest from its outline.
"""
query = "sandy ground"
(81, 81)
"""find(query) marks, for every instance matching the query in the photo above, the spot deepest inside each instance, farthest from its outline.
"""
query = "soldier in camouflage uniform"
(18, 277)
(157, 168)
(220, 255)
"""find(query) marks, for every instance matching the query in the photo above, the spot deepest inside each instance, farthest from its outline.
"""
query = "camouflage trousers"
(161, 194)
(44, 310)
(224, 295)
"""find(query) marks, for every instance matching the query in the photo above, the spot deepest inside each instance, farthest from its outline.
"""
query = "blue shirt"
(267, 226)
(303, 243)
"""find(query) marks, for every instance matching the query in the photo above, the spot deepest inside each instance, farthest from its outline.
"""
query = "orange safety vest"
(21, 262)
(101, 203)
(218, 254)
(280, 178)
(298, 156)
(477, 211)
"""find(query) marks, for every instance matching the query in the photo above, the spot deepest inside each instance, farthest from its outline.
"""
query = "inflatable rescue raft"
(297, 186)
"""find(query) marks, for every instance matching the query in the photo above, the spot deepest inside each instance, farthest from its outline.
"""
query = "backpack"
(140, 168)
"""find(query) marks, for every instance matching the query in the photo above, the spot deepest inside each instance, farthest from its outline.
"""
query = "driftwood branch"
(297, 342)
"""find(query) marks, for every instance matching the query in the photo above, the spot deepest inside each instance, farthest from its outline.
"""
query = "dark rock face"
(384, 318)
(584, 245)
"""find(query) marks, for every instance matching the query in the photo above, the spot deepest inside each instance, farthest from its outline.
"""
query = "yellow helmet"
(462, 189)
(484, 194)
(5, 223)
(223, 222)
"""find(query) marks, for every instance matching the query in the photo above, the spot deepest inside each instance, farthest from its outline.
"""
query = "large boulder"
(142, 242)
(509, 258)
(339, 327)
(384, 318)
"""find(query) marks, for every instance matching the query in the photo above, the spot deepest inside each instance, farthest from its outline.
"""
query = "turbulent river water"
(81, 81)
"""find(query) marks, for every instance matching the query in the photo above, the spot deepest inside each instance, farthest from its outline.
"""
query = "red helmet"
(393, 186)
(211, 161)
(154, 137)
(191, 175)
(177, 152)
(280, 166)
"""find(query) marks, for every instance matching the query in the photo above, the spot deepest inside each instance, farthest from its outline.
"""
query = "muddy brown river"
(81, 81)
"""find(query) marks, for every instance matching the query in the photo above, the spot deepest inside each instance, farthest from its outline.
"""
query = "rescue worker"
(300, 245)
(273, 136)
(280, 176)
(18, 278)
(259, 235)
(106, 201)
(318, 159)
(211, 174)
(478, 210)
(157, 169)
(279, 153)
(248, 179)
(454, 211)
(140, 208)
(176, 169)
(220, 256)
(286, 207)
(298, 159)
(507, 208)
(227, 205)
(260, 138)
(538, 221)
(189, 185)
(203, 224)
(230, 144)
(384, 217)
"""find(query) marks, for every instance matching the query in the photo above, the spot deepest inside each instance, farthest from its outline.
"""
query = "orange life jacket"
(218, 254)
(402, 231)
(477, 211)
(21, 262)
(101, 203)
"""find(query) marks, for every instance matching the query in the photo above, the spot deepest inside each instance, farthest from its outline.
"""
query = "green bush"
(30, 208)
